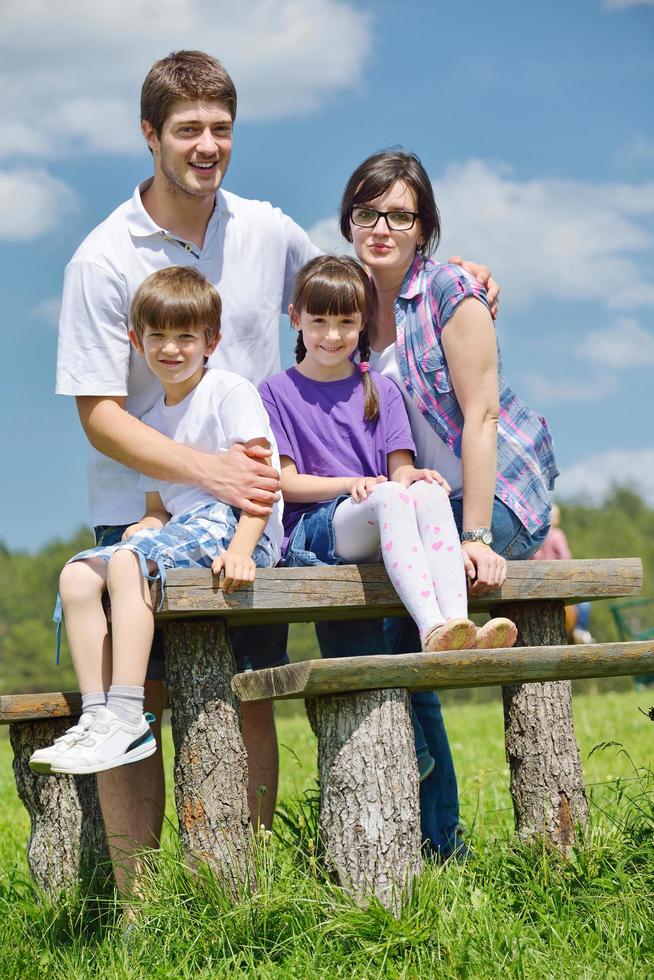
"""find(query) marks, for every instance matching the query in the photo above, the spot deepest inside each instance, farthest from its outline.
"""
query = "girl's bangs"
(335, 296)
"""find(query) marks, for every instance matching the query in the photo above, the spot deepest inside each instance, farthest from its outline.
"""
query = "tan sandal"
(455, 634)
(496, 633)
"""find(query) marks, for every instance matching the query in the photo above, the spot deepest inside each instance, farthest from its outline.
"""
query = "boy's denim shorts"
(254, 647)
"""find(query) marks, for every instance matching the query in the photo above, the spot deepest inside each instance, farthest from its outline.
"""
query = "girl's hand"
(485, 569)
(362, 486)
(238, 570)
(409, 475)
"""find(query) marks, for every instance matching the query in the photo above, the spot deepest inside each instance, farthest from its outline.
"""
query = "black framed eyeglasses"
(395, 220)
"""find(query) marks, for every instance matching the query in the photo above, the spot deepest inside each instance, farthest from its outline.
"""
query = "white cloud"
(545, 237)
(623, 4)
(32, 203)
(327, 236)
(71, 71)
(47, 310)
(577, 388)
(639, 149)
(551, 237)
(622, 346)
(594, 476)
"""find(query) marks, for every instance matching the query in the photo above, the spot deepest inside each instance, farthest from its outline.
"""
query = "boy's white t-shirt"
(251, 253)
(222, 410)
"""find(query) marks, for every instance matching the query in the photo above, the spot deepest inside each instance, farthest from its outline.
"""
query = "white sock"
(126, 702)
(91, 703)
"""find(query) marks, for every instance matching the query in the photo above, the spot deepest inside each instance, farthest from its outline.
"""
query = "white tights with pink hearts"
(419, 543)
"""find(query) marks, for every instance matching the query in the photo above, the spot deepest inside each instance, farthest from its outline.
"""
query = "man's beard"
(176, 185)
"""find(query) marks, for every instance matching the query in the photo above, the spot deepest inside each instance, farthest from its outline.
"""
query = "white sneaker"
(42, 759)
(109, 742)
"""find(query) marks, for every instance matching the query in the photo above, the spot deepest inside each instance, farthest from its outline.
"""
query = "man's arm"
(240, 476)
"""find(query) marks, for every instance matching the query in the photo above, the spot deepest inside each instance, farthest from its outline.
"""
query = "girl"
(351, 490)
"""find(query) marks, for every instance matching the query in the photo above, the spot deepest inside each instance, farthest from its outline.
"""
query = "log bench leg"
(547, 781)
(67, 839)
(210, 761)
(369, 801)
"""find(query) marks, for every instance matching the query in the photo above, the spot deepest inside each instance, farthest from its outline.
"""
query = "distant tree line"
(622, 526)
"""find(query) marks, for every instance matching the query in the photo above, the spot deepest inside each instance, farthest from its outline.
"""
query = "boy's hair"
(336, 285)
(182, 76)
(177, 297)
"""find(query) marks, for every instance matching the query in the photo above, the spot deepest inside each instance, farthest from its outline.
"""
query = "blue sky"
(534, 121)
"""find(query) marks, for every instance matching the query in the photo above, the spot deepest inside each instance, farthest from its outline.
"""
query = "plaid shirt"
(526, 468)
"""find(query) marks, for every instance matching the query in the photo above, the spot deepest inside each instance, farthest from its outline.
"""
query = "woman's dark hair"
(377, 174)
(336, 285)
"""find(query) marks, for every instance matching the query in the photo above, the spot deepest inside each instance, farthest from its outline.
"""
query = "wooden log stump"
(67, 846)
(369, 803)
(547, 781)
(211, 772)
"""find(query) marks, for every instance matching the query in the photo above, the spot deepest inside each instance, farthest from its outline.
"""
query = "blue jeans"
(439, 795)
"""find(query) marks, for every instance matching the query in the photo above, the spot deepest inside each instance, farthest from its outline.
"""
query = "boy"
(175, 319)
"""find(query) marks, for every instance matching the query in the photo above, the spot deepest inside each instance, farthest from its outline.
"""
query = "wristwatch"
(483, 534)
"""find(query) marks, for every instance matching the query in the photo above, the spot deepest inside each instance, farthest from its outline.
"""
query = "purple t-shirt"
(320, 426)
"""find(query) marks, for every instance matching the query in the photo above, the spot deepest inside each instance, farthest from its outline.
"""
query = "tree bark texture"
(211, 771)
(67, 841)
(369, 804)
(547, 781)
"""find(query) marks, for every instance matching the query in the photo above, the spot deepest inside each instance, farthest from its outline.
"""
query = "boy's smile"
(176, 356)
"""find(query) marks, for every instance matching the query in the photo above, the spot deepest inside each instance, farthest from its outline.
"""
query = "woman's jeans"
(439, 797)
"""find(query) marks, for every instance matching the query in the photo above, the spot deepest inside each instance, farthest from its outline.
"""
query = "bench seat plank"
(452, 669)
(364, 591)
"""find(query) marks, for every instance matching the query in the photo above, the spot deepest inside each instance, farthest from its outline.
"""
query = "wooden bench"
(360, 711)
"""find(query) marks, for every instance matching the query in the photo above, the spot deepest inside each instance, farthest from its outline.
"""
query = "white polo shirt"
(251, 253)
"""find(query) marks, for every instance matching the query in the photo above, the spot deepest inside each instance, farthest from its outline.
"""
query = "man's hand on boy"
(242, 477)
(237, 569)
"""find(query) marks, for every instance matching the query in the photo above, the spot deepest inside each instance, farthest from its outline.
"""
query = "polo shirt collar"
(139, 222)
(412, 285)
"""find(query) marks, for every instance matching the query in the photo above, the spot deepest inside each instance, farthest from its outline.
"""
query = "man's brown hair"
(182, 76)
(177, 297)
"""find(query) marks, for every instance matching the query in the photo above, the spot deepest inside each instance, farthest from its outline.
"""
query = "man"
(251, 252)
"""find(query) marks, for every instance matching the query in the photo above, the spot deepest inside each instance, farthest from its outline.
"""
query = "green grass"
(512, 911)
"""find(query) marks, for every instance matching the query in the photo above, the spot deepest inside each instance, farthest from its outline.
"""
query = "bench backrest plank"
(364, 591)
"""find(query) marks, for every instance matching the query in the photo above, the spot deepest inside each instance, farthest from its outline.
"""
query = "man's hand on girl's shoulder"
(483, 276)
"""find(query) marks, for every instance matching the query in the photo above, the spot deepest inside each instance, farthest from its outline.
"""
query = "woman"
(433, 334)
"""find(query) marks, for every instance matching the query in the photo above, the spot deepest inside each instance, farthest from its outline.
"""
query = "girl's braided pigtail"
(371, 397)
